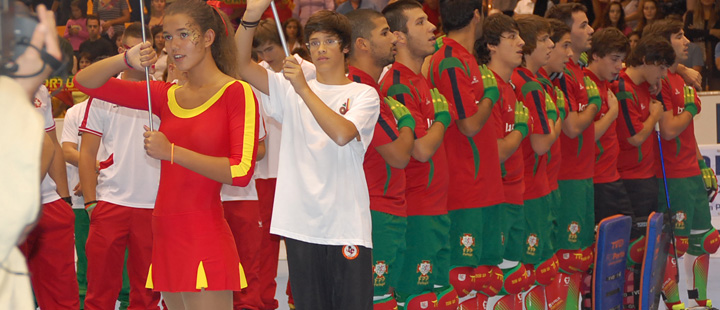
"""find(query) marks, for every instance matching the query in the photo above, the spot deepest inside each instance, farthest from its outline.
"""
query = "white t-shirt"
(43, 103)
(71, 134)
(267, 167)
(249, 192)
(129, 177)
(321, 195)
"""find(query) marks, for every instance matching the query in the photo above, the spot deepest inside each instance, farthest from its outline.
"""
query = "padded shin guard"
(447, 298)
(514, 280)
(506, 302)
(546, 271)
(556, 292)
(535, 298)
(670, 290)
(704, 243)
(424, 301)
(571, 261)
(573, 291)
(488, 280)
(697, 289)
(636, 251)
(682, 245)
(463, 279)
(388, 303)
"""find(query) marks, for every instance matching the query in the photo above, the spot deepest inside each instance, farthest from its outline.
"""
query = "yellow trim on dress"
(149, 282)
(243, 280)
(181, 112)
(201, 281)
(242, 168)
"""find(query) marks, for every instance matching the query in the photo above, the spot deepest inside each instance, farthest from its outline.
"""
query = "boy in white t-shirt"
(266, 43)
(321, 202)
(120, 199)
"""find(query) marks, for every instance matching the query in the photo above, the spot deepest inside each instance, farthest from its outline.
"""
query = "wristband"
(702, 164)
(444, 118)
(172, 154)
(68, 200)
(90, 205)
(691, 108)
(126, 60)
(247, 24)
(407, 121)
(522, 128)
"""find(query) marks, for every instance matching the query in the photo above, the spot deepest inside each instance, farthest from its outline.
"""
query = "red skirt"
(194, 251)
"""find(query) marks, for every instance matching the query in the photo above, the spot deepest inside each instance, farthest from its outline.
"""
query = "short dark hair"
(362, 24)
(395, 14)
(564, 12)
(135, 30)
(651, 50)
(493, 28)
(330, 22)
(635, 33)
(607, 41)
(664, 28)
(530, 27)
(92, 17)
(266, 32)
(456, 14)
(558, 29)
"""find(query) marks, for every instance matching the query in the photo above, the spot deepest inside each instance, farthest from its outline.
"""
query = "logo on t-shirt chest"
(344, 107)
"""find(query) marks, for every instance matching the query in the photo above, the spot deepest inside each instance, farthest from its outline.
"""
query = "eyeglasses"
(315, 44)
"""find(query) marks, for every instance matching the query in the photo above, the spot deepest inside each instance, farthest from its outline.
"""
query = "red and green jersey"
(426, 182)
(679, 153)
(555, 154)
(529, 90)
(578, 154)
(606, 148)
(634, 103)
(512, 169)
(386, 184)
(477, 180)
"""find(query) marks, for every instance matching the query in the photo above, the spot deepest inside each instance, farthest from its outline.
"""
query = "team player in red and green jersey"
(476, 190)
(686, 172)
(388, 154)
(639, 112)
(499, 56)
(539, 255)
(424, 275)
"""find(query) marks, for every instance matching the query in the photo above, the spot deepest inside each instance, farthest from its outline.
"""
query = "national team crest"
(680, 218)
(424, 268)
(424, 304)
(380, 269)
(468, 242)
(532, 242)
(350, 252)
(574, 229)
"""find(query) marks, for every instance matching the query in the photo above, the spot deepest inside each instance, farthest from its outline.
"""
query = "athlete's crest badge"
(574, 229)
(468, 242)
(380, 269)
(424, 268)
(532, 242)
(680, 218)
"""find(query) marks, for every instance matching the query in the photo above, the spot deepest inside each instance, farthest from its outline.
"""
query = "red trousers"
(244, 220)
(113, 229)
(269, 246)
(50, 253)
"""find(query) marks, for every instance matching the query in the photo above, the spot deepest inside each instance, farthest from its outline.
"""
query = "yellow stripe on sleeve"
(242, 168)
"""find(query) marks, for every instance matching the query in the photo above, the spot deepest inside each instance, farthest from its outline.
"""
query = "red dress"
(193, 247)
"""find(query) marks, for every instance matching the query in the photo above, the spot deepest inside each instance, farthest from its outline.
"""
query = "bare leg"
(174, 301)
(220, 300)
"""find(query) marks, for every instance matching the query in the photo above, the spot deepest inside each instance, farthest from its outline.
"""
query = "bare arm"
(249, 70)
(607, 120)
(48, 152)
(541, 143)
(87, 168)
(57, 169)
(648, 125)
(470, 126)
(397, 153)
(672, 126)
(508, 145)
(99, 73)
(261, 150)
(577, 122)
(70, 152)
(425, 147)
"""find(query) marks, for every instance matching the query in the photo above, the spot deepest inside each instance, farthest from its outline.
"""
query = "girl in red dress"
(207, 137)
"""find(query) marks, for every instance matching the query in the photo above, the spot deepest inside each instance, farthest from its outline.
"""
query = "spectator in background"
(613, 16)
(351, 5)
(632, 14)
(162, 55)
(634, 37)
(650, 14)
(95, 44)
(717, 56)
(432, 9)
(76, 27)
(305, 8)
(695, 58)
(702, 27)
(116, 40)
(157, 11)
(113, 15)
(294, 34)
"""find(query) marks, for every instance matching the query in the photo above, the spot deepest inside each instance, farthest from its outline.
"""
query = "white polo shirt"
(129, 177)
(321, 195)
